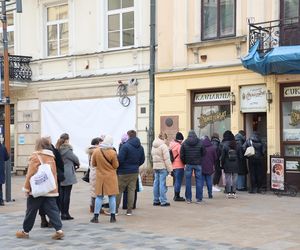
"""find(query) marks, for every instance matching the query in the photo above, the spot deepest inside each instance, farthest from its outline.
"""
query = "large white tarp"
(86, 119)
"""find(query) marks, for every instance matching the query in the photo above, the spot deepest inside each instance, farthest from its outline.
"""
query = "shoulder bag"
(250, 151)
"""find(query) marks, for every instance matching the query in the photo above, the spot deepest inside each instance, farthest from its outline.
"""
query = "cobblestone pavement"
(249, 222)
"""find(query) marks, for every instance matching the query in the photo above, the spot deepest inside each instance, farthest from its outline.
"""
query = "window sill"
(217, 42)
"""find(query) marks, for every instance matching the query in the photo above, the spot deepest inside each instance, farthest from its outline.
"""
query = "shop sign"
(212, 97)
(211, 118)
(277, 172)
(253, 98)
(291, 92)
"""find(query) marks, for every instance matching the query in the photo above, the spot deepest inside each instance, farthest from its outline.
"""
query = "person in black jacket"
(60, 177)
(240, 139)
(4, 156)
(256, 162)
(191, 153)
(215, 140)
(230, 162)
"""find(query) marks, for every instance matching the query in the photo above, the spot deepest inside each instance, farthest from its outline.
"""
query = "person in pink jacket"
(178, 166)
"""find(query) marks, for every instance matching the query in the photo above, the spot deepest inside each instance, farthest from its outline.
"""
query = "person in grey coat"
(71, 163)
(3, 157)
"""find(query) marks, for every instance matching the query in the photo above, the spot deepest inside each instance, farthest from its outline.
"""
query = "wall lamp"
(232, 100)
(269, 97)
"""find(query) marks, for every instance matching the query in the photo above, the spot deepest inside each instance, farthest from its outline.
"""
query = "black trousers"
(65, 196)
(217, 174)
(1, 193)
(256, 170)
(48, 204)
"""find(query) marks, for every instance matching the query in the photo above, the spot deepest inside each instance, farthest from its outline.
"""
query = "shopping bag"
(169, 180)
(140, 188)
(250, 151)
(42, 182)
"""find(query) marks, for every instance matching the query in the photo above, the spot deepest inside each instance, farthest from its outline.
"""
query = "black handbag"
(86, 176)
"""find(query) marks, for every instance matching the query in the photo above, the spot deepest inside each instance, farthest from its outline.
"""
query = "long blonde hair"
(42, 143)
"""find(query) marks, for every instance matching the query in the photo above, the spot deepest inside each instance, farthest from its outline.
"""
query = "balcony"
(283, 32)
(19, 68)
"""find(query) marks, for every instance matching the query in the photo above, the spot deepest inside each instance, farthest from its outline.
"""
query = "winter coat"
(71, 162)
(106, 163)
(229, 166)
(160, 155)
(240, 140)
(175, 147)
(259, 146)
(3, 158)
(131, 156)
(192, 150)
(47, 157)
(92, 175)
(216, 144)
(59, 164)
(209, 158)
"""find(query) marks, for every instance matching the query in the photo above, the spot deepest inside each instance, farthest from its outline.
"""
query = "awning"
(280, 60)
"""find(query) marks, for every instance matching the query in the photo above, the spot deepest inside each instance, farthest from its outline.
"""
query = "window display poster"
(277, 173)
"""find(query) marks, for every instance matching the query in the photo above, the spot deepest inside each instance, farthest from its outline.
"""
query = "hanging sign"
(277, 173)
(253, 98)
(212, 97)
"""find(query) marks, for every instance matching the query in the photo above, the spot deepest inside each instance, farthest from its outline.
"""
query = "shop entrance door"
(258, 122)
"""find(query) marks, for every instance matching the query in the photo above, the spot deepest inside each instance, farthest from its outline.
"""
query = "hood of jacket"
(64, 148)
(206, 142)
(192, 138)
(255, 137)
(157, 143)
(135, 142)
(91, 149)
(239, 137)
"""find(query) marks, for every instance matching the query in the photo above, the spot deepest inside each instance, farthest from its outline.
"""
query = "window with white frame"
(120, 20)
(57, 30)
(10, 34)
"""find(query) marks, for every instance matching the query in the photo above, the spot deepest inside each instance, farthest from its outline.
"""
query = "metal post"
(6, 102)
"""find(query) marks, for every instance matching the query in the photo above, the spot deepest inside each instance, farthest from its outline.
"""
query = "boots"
(177, 197)
(95, 219)
(112, 218)
(44, 222)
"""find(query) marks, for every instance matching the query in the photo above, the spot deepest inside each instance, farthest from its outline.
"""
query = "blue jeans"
(112, 204)
(241, 182)
(178, 176)
(159, 186)
(188, 181)
(207, 178)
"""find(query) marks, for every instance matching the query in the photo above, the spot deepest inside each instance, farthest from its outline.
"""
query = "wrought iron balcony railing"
(19, 68)
(283, 32)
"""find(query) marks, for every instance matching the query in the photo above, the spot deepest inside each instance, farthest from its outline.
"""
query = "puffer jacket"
(46, 157)
(160, 155)
(71, 162)
(175, 147)
(209, 158)
(226, 164)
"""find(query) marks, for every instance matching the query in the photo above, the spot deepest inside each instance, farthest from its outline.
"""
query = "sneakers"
(167, 204)
(188, 201)
(2, 203)
(178, 198)
(216, 189)
(199, 201)
(231, 195)
(129, 212)
(156, 203)
(58, 235)
(22, 235)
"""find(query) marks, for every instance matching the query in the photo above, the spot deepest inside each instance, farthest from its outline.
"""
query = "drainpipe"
(151, 77)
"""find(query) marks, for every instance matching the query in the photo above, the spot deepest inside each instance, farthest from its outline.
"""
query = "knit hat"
(179, 136)
(124, 138)
(108, 140)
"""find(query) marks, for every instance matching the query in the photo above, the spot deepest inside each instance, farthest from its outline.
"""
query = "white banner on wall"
(84, 120)
(253, 98)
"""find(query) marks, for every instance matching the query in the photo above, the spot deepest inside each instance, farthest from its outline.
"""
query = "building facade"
(81, 51)
(201, 83)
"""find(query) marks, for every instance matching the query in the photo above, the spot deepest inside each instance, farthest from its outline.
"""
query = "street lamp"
(6, 99)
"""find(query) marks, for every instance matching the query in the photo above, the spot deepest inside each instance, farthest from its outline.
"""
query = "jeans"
(112, 204)
(159, 186)
(241, 182)
(188, 181)
(65, 195)
(178, 176)
(231, 179)
(207, 178)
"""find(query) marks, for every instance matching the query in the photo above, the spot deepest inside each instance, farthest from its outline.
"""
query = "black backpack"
(172, 158)
(232, 154)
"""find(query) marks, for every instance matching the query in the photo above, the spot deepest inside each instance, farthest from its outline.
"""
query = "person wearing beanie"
(240, 139)
(177, 165)
(191, 153)
(230, 162)
(105, 160)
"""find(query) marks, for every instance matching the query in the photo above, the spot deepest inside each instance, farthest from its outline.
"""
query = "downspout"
(151, 78)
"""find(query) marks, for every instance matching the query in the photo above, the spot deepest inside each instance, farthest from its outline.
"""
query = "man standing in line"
(191, 153)
(3, 158)
(131, 157)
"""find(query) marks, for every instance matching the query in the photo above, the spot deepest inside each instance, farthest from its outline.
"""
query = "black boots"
(112, 218)
(95, 218)
(66, 216)
(44, 222)
(177, 197)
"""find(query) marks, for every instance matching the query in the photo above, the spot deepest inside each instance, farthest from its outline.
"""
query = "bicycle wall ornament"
(122, 92)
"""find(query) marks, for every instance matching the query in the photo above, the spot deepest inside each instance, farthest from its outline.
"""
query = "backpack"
(232, 154)
(172, 158)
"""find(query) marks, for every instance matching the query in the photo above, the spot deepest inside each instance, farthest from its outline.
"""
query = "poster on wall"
(277, 173)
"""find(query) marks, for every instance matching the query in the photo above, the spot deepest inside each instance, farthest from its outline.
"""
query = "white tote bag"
(250, 151)
(42, 182)
(169, 180)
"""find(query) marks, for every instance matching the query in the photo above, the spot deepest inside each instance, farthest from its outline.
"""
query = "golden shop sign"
(212, 97)
(295, 118)
(291, 91)
(211, 118)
